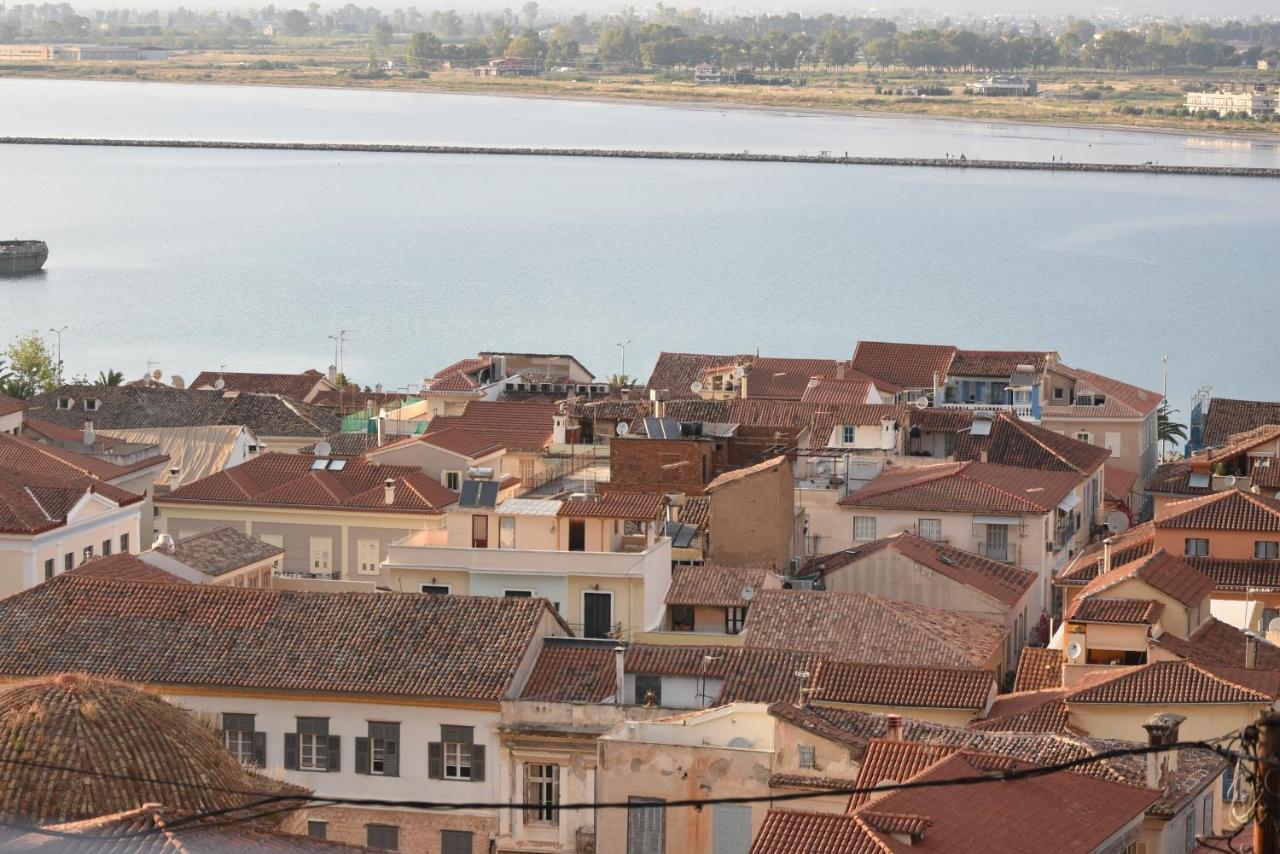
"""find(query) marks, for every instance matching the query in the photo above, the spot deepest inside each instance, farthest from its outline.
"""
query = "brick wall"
(660, 465)
(419, 831)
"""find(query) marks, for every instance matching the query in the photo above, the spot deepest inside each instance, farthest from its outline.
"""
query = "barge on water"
(22, 256)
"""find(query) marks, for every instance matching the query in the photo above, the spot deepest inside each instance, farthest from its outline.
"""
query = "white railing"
(1022, 410)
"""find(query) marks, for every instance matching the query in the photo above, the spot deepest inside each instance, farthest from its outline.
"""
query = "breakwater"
(825, 158)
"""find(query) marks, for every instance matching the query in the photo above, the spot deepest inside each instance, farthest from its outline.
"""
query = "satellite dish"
(219, 384)
(323, 448)
(748, 593)
(1073, 650)
(622, 429)
(177, 381)
(922, 402)
(738, 741)
(156, 375)
(1274, 625)
(1117, 521)
(696, 387)
(1229, 480)
(822, 467)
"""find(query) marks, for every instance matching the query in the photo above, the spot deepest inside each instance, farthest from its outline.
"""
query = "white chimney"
(88, 433)
(813, 383)
(619, 674)
(1162, 730)
(839, 370)
(893, 727)
(389, 490)
(1106, 556)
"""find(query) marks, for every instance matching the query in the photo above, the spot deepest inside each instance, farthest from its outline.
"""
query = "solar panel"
(337, 465)
(662, 428)
(478, 493)
(319, 465)
(681, 534)
(1199, 480)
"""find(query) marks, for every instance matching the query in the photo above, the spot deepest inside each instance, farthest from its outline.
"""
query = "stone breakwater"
(740, 157)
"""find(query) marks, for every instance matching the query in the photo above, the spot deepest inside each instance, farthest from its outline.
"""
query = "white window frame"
(240, 744)
(505, 522)
(864, 520)
(848, 434)
(1113, 441)
(1187, 551)
(91, 404)
(920, 529)
(542, 789)
(362, 564)
(313, 752)
(320, 557)
(1270, 549)
(1082, 436)
(461, 753)
(456, 476)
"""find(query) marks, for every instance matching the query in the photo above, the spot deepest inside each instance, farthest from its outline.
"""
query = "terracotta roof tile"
(1217, 644)
(1169, 574)
(344, 445)
(616, 505)
(1174, 478)
(675, 373)
(1180, 682)
(904, 365)
(998, 363)
(843, 392)
(453, 384)
(1228, 510)
(1013, 442)
(788, 831)
(1227, 417)
(741, 474)
(1031, 711)
(696, 511)
(899, 761)
(573, 670)
(218, 551)
(516, 426)
(52, 461)
(1239, 574)
(896, 685)
(290, 385)
(391, 644)
(1038, 668)
(788, 379)
(124, 567)
(468, 365)
(870, 629)
(1118, 483)
(460, 441)
(1126, 547)
(1122, 399)
(32, 503)
(9, 405)
(826, 419)
(1120, 611)
(966, 487)
(716, 586)
(807, 781)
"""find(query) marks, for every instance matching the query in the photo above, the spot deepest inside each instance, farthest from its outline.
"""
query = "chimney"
(619, 674)
(982, 455)
(1162, 730)
(88, 433)
(625, 391)
(1250, 650)
(381, 423)
(389, 490)
(840, 370)
(1106, 556)
(813, 383)
(332, 375)
(893, 727)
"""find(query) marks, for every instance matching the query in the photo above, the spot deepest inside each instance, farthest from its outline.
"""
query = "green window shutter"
(291, 751)
(435, 760)
(477, 763)
(362, 755)
(260, 749)
(334, 762)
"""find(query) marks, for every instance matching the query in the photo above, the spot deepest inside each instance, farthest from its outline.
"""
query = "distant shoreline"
(960, 163)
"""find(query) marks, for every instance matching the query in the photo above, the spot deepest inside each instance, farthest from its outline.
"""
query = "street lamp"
(338, 340)
(58, 332)
(623, 346)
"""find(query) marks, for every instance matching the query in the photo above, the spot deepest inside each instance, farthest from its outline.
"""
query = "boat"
(22, 256)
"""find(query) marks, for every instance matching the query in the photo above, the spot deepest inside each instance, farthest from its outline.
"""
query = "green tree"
(296, 23)
(32, 367)
(1168, 430)
(527, 45)
(498, 39)
(621, 379)
(110, 378)
(383, 33)
(423, 49)
(530, 12)
(562, 47)
(617, 44)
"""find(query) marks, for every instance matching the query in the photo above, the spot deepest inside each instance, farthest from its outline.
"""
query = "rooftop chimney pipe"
(389, 490)
(619, 675)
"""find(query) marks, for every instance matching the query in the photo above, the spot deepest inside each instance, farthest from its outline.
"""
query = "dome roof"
(129, 748)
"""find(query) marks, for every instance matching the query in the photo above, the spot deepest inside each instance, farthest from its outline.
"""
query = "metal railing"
(1022, 410)
(1003, 552)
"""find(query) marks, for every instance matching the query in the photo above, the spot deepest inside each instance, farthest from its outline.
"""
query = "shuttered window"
(646, 826)
(321, 555)
(456, 756)
(457, 842)
(383, 837)
(312, 748)
(730, 829)
(248, 746)
(379, 752)
(367, 556)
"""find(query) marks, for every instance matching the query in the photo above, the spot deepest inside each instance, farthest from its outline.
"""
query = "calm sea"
(195, 259)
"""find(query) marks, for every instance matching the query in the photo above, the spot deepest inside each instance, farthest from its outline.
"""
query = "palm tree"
(1168, 430)
(110, 378)
(620, 379)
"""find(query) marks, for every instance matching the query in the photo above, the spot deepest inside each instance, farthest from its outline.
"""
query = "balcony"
(420, 551)
(1002, 552)
(1021, 410)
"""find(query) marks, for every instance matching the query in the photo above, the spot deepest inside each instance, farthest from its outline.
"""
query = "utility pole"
(1267, 780)
(1164, 450)
(58, 332)
(623, 345)
(338, 340)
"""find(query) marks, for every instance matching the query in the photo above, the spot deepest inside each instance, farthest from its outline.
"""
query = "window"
(864, 527)
(88, 553)
(542, 793)
(577, 535)
(453, 480)
(1059, 393)
(106, 548)
(456, 842)
(848, 434)
(517, 594)
(1196, 547)
(317, 829)
(124, 543)
(91, 404)
(311, 748)
(65, 402)
(648, 690)
(455, 756)
(367, 556)
(646, 826)
(1084, 437)
(48, 569)
(597, 614)
(730, 828)
(245, 744)
(734, 618)
(1266, 549)
(681, 618)
(382, 837)
(930, 529)
(1190, 839)
(805, 753)
(321, 555)
(379, 752)
(435, 589)
(506, 532)
(479, 532)
(69, 561)
(1111, 441)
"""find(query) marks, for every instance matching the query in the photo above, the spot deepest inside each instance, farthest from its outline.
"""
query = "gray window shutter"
(646, 826)
(730, 828)
(291, 751)
(362, 755)
(391, 758)
(456, 842)
(477, 763)
(334, 761)
(260, 749)
(435, 760)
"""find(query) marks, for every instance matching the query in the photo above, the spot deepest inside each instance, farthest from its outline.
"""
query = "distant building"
(1257, 102)
(510, 66)
(707, 73)
(1000, 85)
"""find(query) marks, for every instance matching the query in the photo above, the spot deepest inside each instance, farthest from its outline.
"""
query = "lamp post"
(338, 340)
(58, 333)
(623, 346)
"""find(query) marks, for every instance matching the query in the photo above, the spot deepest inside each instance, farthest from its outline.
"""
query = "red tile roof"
(966, 487)
(1217, 644)
(1227, 417)
(516, 426)
(788, 379)
(1038, 668)
(1013, 442)
(845, 391)
(772, 464)
(1120, 611)
(895, 760)
(52, 461)
(1126, 547)
(288, 480)
(124, 567)
(290, 385)
(1239, 574)
(573, 670)
(1117, 483)
(870, 629)
(389, 644)
(907, 366)
(792, 831)
(716, 586)
(1229, 510)
(9, 405)
(460, 441)
(1169, 574)
(696, 511)
(1000, 581)
(1030, 711)
(896, 685)
(30, 504)
(1122, 399)
(675, 373)
(998, 363)
(453, 384)
(1181, 682)
(467, 366)
(616, 505)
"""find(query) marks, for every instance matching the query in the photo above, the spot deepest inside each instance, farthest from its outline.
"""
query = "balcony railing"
(1003, 552)
(1022, 410)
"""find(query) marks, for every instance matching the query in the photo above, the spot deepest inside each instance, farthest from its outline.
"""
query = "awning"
(1071, 502)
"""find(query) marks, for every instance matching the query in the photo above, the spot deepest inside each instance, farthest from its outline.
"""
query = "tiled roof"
(345, 445)
(616, 505)
(516, 426)
(9, 405)
(1228, 510)
(1122, 399)
(1174, 478)
(1126, 547)
(675, 373)
(1121, 611)
(966, 487)
(997, 363)
(904, 365)
(1000, 581)
(870, 629)
(896, 685)
(467, 366)
(615, 410)
(898, 761)
(454, 383)
(1117, 483)
(1169, 574)
(807, 781)
(1239, 574)
(124, 567)
(792, 831)
(72, 720)
(1240, 443)
(834, 391)
(218, 551)
(52, 461)
(129, 407)
(31, 503)
(1030, 711)
(1182, 682)
(714, 586)
(696, 511)
(783, 378)
(1038, 668)
(1013, 442)
(1220, 645)
(826, 418)
(573, 670)
(741, 474)
(460, 441)
(290, 385)
(749, 675)
(391, 644)
(938, 419)
(288, 480)
(1227, 417)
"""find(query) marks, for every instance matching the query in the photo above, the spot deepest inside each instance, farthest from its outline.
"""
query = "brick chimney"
(389, 491)
(893, 727)
(1162, 730)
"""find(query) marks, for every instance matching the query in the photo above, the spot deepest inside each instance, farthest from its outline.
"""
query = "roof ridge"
(1210, 673)
(997, 489)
